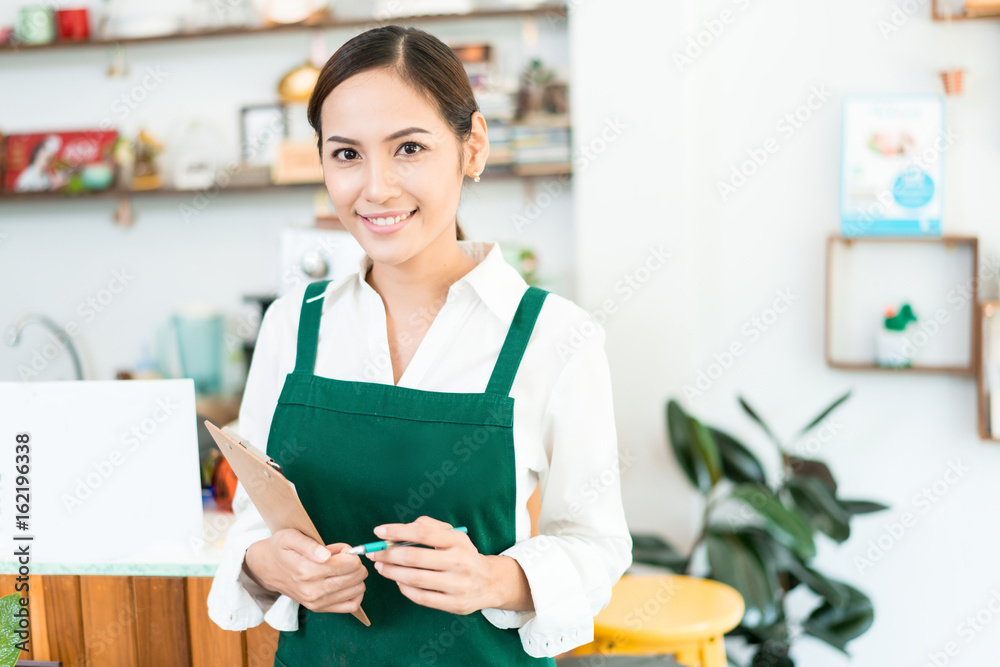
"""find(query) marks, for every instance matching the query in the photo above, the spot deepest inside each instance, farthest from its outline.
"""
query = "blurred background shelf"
(495, 171)
(989, 371)
(961, 10)
(321, 22)
(936, 276)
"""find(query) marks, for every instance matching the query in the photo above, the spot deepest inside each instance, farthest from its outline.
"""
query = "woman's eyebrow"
(394, 135)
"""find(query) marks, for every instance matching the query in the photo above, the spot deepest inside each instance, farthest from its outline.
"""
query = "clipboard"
(271, 492)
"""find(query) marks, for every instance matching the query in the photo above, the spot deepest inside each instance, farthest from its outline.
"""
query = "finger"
(436, 534)
(302, 544)
(432, 599)
(347, 606)
(337, 547)
(429, 580)
(417, 557)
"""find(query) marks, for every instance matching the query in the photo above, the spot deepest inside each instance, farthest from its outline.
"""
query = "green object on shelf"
(899, 321)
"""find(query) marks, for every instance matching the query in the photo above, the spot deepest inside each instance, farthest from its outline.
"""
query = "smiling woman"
(414, 64)
(429, 322)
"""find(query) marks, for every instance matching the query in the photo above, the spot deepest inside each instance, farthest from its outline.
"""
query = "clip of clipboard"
(271, 492)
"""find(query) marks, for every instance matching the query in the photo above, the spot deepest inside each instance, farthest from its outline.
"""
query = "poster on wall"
(893, 165)
(59, 161)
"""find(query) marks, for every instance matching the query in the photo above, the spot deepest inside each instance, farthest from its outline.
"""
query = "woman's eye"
(411, 148)
(345, 154)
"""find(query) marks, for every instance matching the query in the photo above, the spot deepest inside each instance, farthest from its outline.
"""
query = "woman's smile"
(388, 222)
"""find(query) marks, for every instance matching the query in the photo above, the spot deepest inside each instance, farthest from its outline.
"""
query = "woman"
(382, 421)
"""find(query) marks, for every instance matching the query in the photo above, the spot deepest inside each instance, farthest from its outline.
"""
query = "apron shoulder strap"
(312, 308)
(517, 340)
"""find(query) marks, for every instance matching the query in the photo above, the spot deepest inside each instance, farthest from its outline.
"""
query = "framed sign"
(893, 165)
(262, 129)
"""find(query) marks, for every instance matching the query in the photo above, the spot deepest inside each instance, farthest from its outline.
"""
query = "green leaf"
(9, 652)
(838, 625)
(706, 452)
(680, 442)
(738, 463)
(772, 654)
(819, 504)
(654, 550)
(734, 561)
(853, 507)
(830, 590)
(822, 415)
(786, 527)
(812, 468)
(750, 411)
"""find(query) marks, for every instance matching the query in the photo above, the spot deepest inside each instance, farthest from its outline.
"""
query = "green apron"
(362, 454)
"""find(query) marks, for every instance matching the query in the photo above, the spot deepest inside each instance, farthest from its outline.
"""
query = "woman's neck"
(424, 279)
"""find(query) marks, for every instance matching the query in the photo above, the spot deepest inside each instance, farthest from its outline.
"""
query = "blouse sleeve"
(583, 546)
(235, 601)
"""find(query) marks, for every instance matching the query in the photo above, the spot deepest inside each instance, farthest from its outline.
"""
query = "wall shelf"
(494, 171)
(937, 276)
(321, 22)
(989, 334)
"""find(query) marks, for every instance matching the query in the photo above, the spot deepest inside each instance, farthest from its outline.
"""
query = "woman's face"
(391, 165)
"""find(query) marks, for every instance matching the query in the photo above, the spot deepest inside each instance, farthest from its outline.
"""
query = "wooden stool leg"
(690, 656)
(714, 652)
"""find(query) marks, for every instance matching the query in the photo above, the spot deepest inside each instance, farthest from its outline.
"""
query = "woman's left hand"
(452, 577)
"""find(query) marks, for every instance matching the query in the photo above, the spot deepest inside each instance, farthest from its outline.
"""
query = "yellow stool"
(667, 614)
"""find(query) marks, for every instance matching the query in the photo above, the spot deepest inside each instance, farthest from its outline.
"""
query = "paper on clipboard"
(271, 492)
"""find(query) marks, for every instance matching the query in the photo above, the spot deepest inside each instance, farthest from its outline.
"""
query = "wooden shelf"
(938, 15)
(495, 171)
(111, 193)
(323, 22)
(989, 315)
(834, 352)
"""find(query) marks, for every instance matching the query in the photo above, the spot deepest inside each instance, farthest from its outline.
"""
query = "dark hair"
(420, 59)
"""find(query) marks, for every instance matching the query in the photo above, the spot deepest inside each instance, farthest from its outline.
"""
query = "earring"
(475, 176)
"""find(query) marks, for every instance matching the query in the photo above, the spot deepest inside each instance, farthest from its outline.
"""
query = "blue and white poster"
(893, 165)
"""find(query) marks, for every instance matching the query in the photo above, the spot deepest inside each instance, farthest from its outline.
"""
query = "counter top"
(201, 560)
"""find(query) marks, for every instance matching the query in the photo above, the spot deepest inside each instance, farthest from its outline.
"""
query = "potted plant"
(760, 537)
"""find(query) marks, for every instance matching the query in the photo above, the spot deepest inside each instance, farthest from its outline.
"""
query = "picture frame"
(892, 167)
(263, 127)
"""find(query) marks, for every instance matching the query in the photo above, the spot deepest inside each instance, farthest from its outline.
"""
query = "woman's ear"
(477, 146)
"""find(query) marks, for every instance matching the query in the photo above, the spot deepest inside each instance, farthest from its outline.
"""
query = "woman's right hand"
(322, 578)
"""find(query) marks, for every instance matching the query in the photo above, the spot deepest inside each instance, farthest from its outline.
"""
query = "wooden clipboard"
(271, 492)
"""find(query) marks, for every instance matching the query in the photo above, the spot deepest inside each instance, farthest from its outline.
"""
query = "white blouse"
(564, 437)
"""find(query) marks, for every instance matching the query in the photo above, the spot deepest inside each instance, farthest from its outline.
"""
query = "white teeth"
(382, 222)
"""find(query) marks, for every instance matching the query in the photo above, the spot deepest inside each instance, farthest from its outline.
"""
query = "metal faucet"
(14, 335)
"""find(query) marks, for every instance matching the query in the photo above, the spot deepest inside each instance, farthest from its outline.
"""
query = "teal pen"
(388, 544)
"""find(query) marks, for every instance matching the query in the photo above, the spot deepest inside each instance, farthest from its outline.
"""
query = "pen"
(388, 544)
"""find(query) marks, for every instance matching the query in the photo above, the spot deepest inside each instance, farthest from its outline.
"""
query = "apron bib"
(362, 454)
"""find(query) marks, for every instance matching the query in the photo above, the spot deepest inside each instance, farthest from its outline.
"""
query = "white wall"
(656, 185)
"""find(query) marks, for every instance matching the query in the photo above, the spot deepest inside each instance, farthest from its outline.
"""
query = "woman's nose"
(381, 181)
